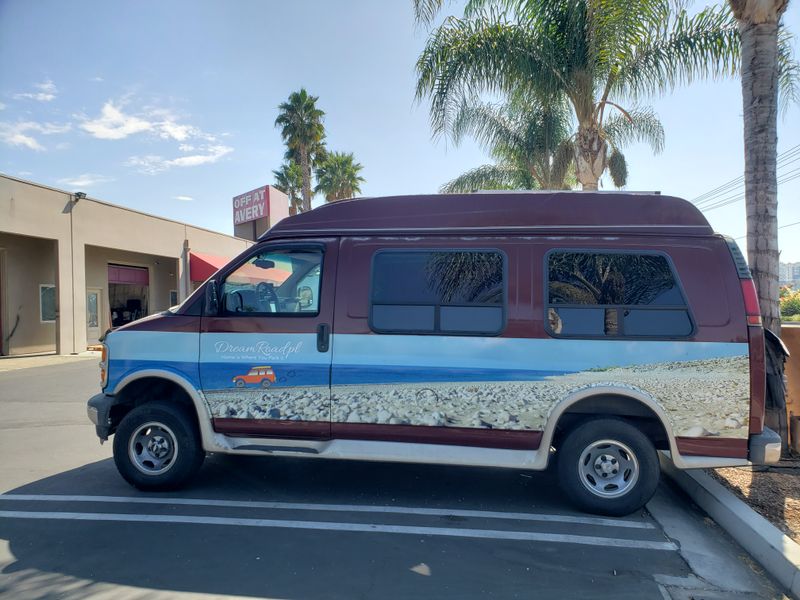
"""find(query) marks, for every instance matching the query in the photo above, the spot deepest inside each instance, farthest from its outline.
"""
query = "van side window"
(438, 292)
(607, 294)
(274, 282)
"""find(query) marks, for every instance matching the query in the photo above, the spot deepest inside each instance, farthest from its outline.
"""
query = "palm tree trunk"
(590, 155)
(759, 33)
(758, 27)
(306, 167)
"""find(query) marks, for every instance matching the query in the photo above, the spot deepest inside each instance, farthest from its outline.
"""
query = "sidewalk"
(13, 363)
(773, 549)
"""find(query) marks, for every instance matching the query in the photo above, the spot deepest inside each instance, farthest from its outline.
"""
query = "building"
(71, 266)
(789, 273)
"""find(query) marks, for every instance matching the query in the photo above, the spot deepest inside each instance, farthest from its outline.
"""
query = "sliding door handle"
(323, 337)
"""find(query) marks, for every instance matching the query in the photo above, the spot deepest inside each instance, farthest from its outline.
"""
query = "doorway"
(128, 293)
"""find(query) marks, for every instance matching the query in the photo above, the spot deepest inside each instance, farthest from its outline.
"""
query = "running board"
(272, 449)
(369, 450)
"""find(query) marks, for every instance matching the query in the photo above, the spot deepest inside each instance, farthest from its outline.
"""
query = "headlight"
(104, 367)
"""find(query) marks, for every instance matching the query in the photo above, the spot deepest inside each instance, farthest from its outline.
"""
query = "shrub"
(790, 302)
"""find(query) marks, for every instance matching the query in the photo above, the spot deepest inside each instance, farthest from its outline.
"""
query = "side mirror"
(306, 296)
(212, 299)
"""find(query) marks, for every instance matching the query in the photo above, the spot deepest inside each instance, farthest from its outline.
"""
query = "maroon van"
(583, 330)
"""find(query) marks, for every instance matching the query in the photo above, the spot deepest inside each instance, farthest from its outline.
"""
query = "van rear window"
(438, 292)
(603, 294)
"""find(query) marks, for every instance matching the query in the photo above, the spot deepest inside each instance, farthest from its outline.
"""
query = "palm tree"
(289, 180)
(759, 29)
(338, 177)
(532, 145)
(594, 54)
(302, 130)
(529, 142)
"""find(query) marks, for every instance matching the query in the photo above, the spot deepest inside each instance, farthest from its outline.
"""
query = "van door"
(427, 346)
(265, 356)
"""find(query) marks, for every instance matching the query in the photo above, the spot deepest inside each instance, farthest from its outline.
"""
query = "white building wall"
(34, 210)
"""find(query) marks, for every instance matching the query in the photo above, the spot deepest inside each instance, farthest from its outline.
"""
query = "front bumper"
(98, 410)
(765, 447)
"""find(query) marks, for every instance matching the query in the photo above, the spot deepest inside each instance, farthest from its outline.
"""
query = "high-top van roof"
(616, 212)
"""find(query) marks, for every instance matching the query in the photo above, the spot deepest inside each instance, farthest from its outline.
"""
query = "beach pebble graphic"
(426, 395)
(701, 398)
(698, 431)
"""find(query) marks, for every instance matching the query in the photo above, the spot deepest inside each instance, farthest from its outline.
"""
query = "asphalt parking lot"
(70, 527)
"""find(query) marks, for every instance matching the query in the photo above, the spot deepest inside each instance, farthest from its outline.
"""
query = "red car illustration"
(263, 376)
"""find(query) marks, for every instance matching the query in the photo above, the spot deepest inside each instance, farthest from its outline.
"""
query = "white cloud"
(85, 180)
(175, 131)
(2, 106)
(98, 79)
(152, 164)
(186, 148)
(18, 134)
(113, 124)
(47, 92)
(212, 155)
(24, 173)
(183, 198)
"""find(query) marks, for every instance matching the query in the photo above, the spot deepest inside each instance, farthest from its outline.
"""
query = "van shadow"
(75, 559)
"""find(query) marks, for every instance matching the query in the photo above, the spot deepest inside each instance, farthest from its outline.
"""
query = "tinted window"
(438, 292)
(614, 294)
(274, 282)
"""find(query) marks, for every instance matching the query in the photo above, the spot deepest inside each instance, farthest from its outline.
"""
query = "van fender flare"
(211, 440)
(588, 391)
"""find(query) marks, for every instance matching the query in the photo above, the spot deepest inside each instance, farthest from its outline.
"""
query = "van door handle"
(323, 337)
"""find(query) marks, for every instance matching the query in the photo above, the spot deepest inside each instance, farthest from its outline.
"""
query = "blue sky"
(168, 107)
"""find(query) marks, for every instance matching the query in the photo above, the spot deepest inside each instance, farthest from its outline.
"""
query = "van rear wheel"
(157, 447)
(608, 467)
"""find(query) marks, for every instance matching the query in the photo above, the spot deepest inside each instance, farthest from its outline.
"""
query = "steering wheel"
(267, 296)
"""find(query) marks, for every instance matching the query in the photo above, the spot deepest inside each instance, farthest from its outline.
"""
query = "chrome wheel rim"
(608, 468)
(153, 448)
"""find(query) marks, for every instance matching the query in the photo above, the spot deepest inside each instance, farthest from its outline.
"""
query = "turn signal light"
(104, 367)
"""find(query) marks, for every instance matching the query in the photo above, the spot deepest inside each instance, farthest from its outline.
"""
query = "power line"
(738, 196)
(713, 196)
(741, 237)
(738, 184)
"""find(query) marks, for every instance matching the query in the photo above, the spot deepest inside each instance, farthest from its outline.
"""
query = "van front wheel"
(608, 467)
(157, 447)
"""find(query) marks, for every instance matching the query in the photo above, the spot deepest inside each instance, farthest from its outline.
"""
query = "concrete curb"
(778, 554)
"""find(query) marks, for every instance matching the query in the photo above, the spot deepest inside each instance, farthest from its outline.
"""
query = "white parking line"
(355, 508)
(350, 527)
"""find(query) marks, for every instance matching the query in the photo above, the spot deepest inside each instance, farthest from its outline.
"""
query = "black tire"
(592, 472)
(240, 383)
(265, 383)
(165, 426)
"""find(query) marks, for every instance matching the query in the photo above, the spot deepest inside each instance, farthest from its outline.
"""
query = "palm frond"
(683, 50)
(339, 176)
(487, 54)
(788, 71)
(489, 124)
(489, 177)
(640, 125)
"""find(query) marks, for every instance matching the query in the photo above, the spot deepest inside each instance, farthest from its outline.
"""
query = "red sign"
(250, 206)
